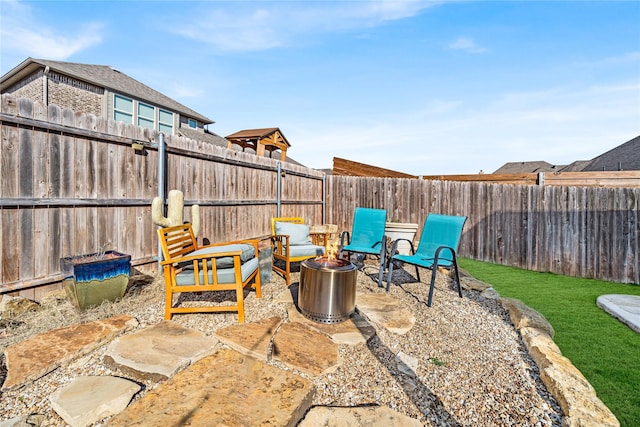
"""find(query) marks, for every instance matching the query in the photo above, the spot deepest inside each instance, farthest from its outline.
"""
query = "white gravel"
(472, 367)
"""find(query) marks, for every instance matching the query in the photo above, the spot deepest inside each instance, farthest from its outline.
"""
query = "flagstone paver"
(303, 348)
(252, 339)
(159, 351)
(354, 330)
(224, 389)
(41, 354)
(385, 311)
(89, 399)
(356, 417)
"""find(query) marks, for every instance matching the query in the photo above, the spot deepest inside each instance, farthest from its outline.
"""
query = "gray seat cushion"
(225, 275)
(305, 250)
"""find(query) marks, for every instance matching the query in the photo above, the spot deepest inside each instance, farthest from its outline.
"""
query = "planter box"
(91, 279)
(401, 230)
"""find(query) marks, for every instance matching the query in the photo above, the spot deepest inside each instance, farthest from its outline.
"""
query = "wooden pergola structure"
(261, 140)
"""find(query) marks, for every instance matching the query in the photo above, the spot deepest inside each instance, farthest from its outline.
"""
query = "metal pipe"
(324, 197)
(45, 86)
(161, 184)
(279, 188)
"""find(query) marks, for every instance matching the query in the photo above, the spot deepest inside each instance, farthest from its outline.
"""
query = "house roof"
(103, 76)
(622, 157)
(207, 136)
(527, 167)
(576, 166)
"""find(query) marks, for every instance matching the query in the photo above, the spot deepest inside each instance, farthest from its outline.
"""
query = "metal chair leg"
(389, 274)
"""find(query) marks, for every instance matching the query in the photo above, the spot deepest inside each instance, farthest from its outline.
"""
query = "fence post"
(541, 178)
(161, 185)
(279, 188)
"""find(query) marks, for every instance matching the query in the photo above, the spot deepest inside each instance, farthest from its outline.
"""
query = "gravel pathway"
(472, 367)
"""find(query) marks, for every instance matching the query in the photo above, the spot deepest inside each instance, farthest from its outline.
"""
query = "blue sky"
(426, 88)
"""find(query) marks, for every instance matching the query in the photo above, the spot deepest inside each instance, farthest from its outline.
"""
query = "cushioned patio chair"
(367, 236)
(292, 242)
(437, 248)
(217, 267)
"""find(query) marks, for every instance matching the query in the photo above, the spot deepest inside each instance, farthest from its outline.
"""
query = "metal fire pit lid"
(324, 263)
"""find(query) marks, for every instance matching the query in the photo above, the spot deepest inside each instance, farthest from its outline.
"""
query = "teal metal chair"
(367, 236)
(437, 248)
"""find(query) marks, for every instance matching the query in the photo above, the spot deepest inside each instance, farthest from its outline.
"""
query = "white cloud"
(466, 44)
(247, 27)
(22, 34)
(570, 124)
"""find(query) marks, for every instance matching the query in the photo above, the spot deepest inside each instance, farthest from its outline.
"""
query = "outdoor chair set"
(189, 268)
(437, 246)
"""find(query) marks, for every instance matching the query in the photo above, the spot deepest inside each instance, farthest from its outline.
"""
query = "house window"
(122, 109)
(193, 124)
(128, 110)
(165, 122)
(146, 116)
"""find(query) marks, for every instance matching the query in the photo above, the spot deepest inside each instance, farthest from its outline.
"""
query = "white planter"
(401, 230)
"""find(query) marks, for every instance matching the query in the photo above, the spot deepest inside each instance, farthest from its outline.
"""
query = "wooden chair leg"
(257, 284)
(240, 302)
(287, 274)
(168, 295)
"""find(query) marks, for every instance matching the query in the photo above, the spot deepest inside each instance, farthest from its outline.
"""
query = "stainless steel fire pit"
(327, 292)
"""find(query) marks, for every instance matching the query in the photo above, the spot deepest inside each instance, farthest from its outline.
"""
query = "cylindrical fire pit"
(327, 292)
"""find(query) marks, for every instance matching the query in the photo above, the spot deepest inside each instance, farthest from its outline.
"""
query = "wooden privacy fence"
(577, 231)
(72, 183)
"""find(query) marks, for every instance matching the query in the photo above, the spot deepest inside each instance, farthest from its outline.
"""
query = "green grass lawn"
(605, 350)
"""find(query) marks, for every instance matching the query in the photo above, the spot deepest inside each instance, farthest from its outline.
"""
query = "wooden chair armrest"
(189, 258)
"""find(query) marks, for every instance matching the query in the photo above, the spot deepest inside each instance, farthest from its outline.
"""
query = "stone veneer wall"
(30, 88)
(63, 91)
(74, 94)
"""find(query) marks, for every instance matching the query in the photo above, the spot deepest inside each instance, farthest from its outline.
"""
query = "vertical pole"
(324, 197)
(161, 184)
(279, 188)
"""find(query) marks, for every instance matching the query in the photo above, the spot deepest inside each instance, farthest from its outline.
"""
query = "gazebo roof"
(269, 139)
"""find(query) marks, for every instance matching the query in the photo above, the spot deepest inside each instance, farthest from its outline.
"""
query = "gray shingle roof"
(206, 136)
(576, 166)
(527, 167)
(108, 77)
(627, 156)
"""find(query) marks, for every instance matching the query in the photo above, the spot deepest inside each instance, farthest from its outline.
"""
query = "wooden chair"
(292, 242)
(217, 267)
